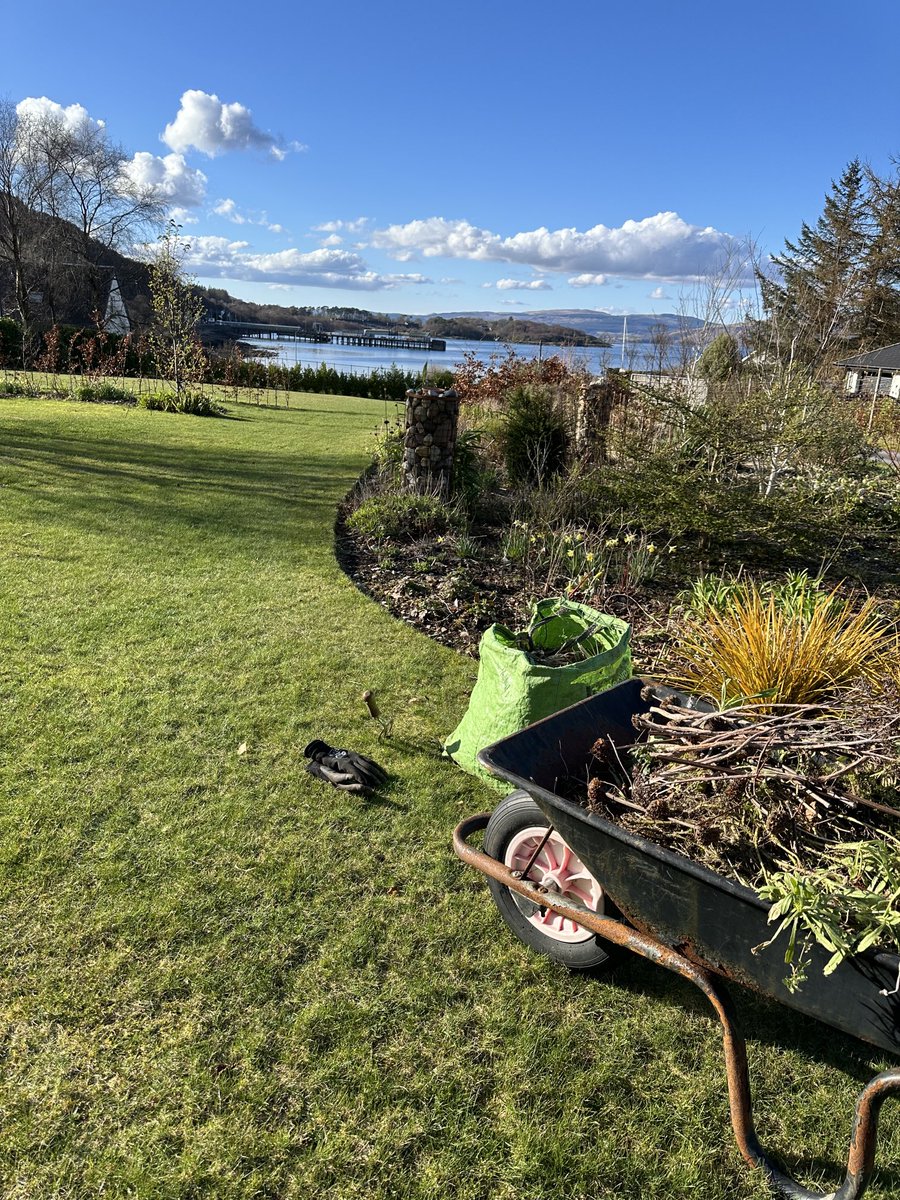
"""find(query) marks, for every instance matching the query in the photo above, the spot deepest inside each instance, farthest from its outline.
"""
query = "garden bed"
(453, 599)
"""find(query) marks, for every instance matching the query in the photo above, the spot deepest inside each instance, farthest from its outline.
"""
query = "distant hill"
(640, 327)
(71, 279)
(515, 330)
(500, 327)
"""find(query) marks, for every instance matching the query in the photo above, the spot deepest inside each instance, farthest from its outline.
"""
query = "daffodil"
(629, 538)
(589, 557)
(610, 542)
(651, 548)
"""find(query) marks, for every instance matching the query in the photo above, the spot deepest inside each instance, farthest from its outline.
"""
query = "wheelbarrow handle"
(864, 1135)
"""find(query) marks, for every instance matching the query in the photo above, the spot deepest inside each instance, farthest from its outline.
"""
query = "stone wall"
(432, 417)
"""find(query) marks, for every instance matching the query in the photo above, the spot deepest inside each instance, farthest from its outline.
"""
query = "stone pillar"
(594, 409)
(432, 417)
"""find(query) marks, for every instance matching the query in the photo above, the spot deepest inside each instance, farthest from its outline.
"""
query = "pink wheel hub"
(558, 869)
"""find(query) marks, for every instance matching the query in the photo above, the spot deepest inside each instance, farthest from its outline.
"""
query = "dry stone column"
(432, 417)
(593, 412)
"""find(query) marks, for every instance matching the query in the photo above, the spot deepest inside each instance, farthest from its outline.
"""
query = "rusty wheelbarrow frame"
(532, 760)
(864, 1135)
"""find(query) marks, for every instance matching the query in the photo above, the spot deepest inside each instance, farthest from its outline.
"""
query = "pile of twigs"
(746, 789)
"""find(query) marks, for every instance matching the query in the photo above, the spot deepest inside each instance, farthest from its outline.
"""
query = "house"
(876, 373)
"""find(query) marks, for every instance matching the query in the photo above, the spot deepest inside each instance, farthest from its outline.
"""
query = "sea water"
(364, 359)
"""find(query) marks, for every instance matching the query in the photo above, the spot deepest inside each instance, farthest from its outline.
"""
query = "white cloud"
(183, 216)
(523, 285)
(204, 123)
(659, 247)
(333, 239)
(356, 226)
(170, 178)
(228, 209)
(74, 116)
(587, 280)
(658, 294)
(218, 257)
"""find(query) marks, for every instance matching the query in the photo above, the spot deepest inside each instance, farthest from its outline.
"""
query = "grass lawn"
(221, 978)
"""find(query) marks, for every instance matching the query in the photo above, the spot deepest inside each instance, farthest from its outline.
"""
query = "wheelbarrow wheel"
(515, 831)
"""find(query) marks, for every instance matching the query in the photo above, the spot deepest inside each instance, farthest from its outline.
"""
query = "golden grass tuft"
(755, 648)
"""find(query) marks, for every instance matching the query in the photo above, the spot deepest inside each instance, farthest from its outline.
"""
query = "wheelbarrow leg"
(864, 1135)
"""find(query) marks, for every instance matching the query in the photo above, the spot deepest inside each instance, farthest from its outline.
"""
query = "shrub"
(196, 404)
(720, 360)
(401, 516)
(103, 393)
(10, 342)
(192, 403)
(389, 441)
(157, 401)
(795, 645)
(488, 385)
(15, 387)
(535, 437)
(475, 479)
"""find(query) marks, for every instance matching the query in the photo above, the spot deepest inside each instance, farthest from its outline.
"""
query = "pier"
(293, 333)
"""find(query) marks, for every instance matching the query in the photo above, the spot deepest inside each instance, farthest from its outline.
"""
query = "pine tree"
(813, 306)
(836, 291)
(721, 359)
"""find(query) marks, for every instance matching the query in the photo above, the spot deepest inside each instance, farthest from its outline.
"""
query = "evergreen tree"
(879, 315)
(720, 360)
(812, 307)
(836, 289)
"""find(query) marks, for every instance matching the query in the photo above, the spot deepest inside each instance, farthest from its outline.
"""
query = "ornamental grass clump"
(794, 649)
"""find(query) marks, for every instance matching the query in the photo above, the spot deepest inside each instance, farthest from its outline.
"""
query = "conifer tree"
(836, 288)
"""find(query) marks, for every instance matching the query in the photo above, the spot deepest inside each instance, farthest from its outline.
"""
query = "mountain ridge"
(639, 327)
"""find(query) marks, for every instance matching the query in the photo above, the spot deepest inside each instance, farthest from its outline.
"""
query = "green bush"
(14, 387)
(475, 479)
(389, 441)
(535, 437)
(103, 393)
(401, 516)
(194, 404)
(158, 401)
(10, 343)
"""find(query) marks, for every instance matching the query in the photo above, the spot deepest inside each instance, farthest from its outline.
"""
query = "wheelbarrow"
(573, 885)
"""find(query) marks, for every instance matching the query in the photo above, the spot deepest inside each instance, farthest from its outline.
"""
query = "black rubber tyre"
(511, 816)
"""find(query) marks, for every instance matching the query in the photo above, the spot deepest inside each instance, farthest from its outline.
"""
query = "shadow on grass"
(763, 1021)
(281, 498)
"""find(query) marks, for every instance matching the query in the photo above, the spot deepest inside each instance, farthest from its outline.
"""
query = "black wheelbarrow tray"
(682, 916)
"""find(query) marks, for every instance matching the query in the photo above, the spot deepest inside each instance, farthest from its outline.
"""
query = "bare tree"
(66, 200)
(177, 310)
(105, 209)
(24, 186)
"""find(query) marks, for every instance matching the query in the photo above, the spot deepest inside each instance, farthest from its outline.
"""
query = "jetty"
(293, 333)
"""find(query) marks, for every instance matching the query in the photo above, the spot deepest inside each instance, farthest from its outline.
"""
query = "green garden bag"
(513, 689)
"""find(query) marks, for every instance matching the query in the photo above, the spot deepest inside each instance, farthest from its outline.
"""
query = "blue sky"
(506, 156)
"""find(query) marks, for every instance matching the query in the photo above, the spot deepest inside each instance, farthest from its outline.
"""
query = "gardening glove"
(345, 769)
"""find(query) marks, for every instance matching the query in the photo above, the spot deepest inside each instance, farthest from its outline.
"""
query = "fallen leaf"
(242, 748)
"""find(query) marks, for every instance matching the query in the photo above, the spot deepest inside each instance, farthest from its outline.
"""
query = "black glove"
(345, 769)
